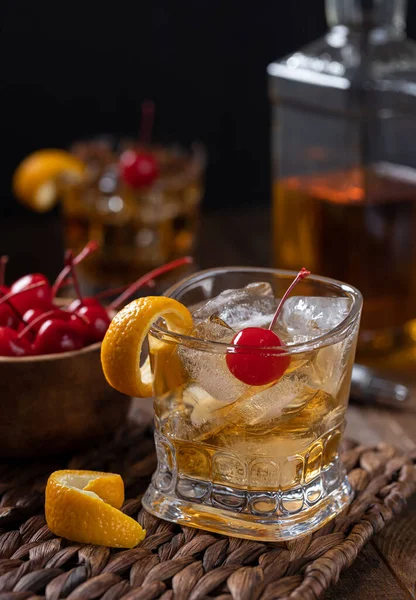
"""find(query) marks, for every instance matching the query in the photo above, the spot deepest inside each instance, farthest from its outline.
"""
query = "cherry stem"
(69, 260)
(3, 262)
(301, 275)
(48, 313)
(179, 262)
(91, 247)
(147, 121)
(29, 326)
(83, 318)
(13, 308)
(33, 286)
(119, 290)
(6, 300)
(67, 283)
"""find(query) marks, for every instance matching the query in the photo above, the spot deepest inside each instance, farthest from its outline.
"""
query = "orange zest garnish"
(122, 344)
(83, 506)
(35, 179)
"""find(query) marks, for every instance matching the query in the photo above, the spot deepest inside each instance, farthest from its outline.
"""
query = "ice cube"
(329, 367)
(262, 407)
(252, 306)
(305, 318)
(237, 402)
(225, 398)
(196, 421)
(209, 369)
(203, 405)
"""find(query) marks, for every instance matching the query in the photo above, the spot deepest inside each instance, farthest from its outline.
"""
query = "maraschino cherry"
(55, 336)
(26, 294)
(94, 315)
(8, 318)
(47, 329)
(256, 368)
(35, 317)
(140, 169)
(86, 301)
(12, 345)
(12, 298)
(9, 315)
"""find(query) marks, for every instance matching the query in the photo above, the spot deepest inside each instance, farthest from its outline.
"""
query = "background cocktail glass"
(137, 229)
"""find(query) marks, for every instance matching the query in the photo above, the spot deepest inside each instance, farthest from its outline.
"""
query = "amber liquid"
(198, 424)
(133, 236)
(248, 460)
(357, 226)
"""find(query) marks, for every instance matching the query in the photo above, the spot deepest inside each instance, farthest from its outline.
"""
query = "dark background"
(72, 69)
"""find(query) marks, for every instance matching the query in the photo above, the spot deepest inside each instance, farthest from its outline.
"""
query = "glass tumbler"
(137, 229)
(257, 462)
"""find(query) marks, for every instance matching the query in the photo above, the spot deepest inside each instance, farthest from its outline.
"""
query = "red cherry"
(93, 318)
(98, 322)
(76, 304)
(138, 169)
(8, 318)
(7, 307)
(56, 336)
(258, 368)
(12, 345)
(41, 297)
(35, 317)
(81, 325)
(255, 368)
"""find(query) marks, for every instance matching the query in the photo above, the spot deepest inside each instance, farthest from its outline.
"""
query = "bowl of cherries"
(53, 394)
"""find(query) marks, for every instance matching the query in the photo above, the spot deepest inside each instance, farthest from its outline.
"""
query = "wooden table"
(386, 569)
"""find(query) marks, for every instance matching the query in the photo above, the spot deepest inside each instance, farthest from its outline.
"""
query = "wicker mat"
(179, 562)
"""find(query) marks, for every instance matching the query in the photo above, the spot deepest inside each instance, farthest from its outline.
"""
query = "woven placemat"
(182, 563)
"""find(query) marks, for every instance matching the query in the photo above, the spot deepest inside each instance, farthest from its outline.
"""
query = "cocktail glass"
(137, 229)
(257, 462)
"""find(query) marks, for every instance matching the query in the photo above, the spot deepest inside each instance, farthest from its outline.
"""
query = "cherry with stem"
(60, 331)
(29, 288)
(12, 345)
(39, 319)
(89, 320)
(32, 291)
(10, 316)
(261, 368)
(55, 336)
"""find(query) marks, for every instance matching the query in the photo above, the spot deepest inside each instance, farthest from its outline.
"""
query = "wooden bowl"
(56, 403)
